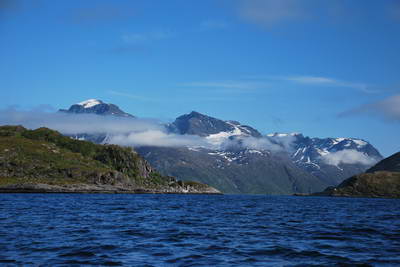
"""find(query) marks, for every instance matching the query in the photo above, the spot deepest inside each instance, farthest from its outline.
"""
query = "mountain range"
(239, 159)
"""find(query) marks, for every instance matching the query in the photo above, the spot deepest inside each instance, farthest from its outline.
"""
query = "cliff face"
(44, 160)
(382, 180)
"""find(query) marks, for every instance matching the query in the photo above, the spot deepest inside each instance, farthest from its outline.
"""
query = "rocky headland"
(44, 161)
(382, 180)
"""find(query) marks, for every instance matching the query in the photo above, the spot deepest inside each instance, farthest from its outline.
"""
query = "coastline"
(104, 189)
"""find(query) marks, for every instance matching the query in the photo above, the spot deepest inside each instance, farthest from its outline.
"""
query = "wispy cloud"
(241, 85)
(316, 81)
(135, 38)
(265, 81)
(388, 109)
(133, 96)
(312, 80)
(101, 13)
(128, 49)
(325, 81)
(212, 24)
(137, 43)
(269, 13)
(274, 13)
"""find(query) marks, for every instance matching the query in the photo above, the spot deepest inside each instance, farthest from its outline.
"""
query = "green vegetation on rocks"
(382, 180)
(45, 157)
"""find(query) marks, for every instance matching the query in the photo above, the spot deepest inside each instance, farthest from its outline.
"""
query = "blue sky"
(323, 68)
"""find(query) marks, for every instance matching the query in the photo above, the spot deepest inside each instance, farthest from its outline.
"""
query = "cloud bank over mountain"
(123, 131)
(129, 131)
(137, 132)
(348, 157)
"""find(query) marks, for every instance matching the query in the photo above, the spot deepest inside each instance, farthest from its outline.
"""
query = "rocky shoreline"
(112, 189)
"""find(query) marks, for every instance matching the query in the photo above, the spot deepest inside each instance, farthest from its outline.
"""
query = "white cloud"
(76, 123)
(126, 131)
(120, 130)
(348, 156)
(157, 138)
(286, 141)
(388, 109)
(274, 144)
(262, 144)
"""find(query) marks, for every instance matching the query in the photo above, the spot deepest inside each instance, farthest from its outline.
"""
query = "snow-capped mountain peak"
(196, 123)
(98, 107)
(346, 142)
(90, 103)
(238, 130)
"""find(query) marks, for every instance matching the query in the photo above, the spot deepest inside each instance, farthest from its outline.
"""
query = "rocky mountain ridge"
(95, 106)
(329, 157)
(235, 150)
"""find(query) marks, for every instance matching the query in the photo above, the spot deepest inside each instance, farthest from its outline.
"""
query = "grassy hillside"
(47, 157)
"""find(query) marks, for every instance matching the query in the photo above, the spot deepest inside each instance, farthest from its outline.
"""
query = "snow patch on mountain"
(360, 142)
(90, 103)
(219, 138)
(332, 151)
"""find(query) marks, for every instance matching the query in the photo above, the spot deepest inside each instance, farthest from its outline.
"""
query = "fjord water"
(197, 230)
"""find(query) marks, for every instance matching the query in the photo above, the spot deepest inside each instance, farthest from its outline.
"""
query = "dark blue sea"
(197, 230)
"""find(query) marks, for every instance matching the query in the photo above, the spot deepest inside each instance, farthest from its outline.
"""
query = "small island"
(44, 161)
(382, 180)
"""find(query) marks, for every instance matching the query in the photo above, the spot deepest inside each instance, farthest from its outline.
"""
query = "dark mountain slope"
(199, 124)
(390, 164)
(241, 172)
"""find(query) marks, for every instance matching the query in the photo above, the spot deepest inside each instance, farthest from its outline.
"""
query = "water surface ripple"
(197, 230)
